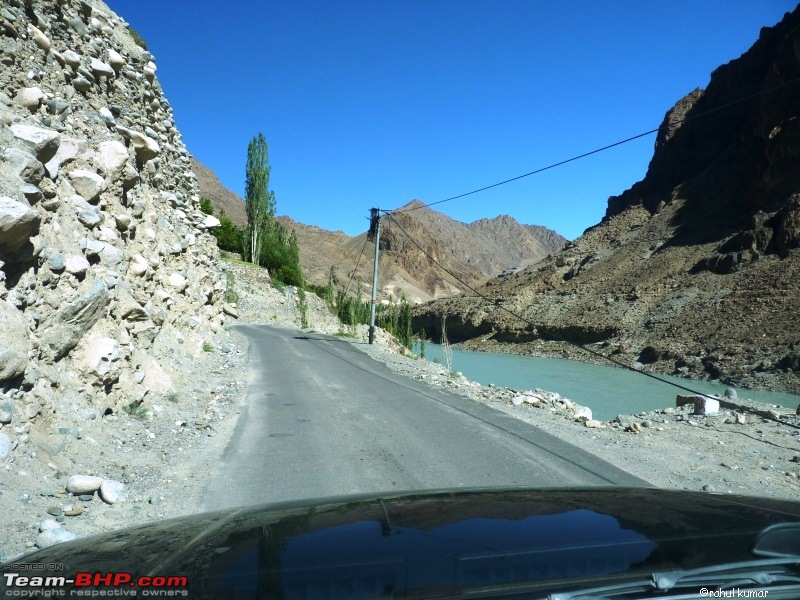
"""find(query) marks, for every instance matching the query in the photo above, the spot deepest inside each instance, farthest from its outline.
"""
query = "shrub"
(230, 293)
(137, 38)
(135, 409)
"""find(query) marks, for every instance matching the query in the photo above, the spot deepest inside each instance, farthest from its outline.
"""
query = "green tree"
(206, 207)
(404, 332)
(260, 201)
(229, 237)
(280, 254)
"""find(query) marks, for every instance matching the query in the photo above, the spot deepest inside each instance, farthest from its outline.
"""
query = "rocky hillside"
(474, 251)
(107, 269)
(693, 270)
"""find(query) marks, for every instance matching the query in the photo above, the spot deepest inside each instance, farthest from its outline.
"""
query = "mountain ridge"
(474, 251)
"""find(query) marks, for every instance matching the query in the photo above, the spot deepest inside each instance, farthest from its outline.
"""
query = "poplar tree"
(259, 199)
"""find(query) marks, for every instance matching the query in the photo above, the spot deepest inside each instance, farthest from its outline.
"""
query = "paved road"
(324, 419)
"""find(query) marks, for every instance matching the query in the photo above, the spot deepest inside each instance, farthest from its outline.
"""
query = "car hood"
(438, 543)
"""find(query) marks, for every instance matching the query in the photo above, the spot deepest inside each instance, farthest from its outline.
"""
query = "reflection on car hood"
(433, 543)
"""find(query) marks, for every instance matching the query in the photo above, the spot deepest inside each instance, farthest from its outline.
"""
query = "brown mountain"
(694, 269)
(222, 199)
(474, 252)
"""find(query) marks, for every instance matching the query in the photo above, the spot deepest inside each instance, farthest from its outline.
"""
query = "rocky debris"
(90, 149)
(108, 275)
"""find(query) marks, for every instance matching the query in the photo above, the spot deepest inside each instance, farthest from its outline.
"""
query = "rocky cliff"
(107, 271)
(693, 270)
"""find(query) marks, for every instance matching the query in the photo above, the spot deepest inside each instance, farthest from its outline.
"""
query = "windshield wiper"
(765, 572)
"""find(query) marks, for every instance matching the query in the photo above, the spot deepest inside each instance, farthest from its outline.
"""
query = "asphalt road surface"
(324, 419)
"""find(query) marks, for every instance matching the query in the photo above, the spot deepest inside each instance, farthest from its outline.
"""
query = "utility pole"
(374, 233)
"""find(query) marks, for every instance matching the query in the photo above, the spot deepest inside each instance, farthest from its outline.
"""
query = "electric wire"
(681, 121)
(352, 276)
(723, 403)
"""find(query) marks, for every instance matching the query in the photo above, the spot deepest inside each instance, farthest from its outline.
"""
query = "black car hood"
(430, 544)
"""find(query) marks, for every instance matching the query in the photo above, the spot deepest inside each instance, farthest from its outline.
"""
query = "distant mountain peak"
(475, 251)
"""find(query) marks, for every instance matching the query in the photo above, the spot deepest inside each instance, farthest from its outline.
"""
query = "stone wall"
(106, 265)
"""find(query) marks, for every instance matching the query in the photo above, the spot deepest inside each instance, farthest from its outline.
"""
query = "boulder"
(6, 412)
(68, 150)
(113, 492)
(43, 143)
(100, 359)
(39, 38)
(51, 537)
(138, 265)
(55, 262)
(29, 98)
(18, 223)
(87, 183)
(15, 345)
(111, 156)
(211, 221)
(24, 165)
(6, 445)
(129, 309)
(115, 59)
(76, 265)
(111, 256)
(62, 332)
(87, 214)
(146, 148)
(101, 69)
(72, 58)
(582, 413)
(177, 281)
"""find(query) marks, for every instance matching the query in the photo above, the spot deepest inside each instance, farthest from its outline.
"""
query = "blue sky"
(374, 103)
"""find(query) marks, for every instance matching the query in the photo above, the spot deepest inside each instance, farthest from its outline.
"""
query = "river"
(608, 391)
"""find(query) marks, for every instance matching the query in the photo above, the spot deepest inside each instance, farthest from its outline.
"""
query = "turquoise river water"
(608, 391)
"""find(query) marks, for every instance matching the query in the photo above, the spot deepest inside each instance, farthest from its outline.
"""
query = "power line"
(684, 119)
(594, 353)
(352, 275)
(355, 269)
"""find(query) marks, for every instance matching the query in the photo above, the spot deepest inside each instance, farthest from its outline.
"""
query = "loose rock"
(83, 484)
(113, 492)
